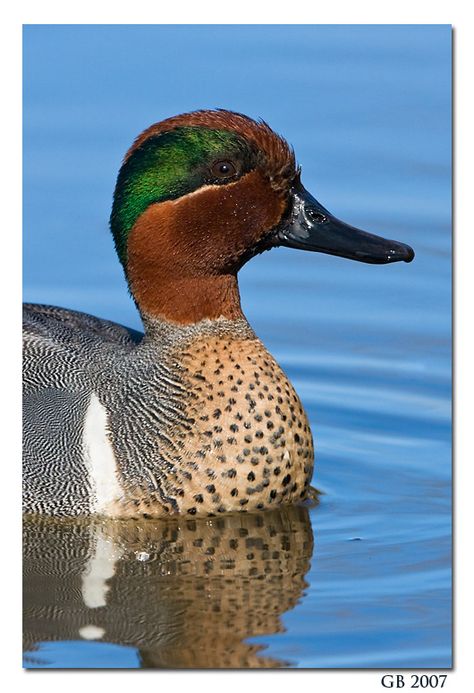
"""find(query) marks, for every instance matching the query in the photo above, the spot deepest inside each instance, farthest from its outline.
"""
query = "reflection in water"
(185, 593)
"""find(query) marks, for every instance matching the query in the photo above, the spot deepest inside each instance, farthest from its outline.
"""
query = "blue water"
(368, 348)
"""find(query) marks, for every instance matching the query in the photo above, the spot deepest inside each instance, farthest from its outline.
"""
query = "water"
(363, 579)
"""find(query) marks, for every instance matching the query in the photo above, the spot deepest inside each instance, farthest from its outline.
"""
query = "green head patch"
(172, 164)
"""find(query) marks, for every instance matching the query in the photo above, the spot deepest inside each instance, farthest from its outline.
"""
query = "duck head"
(198, 195)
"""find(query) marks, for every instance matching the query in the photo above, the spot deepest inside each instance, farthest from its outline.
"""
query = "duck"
(193, 416)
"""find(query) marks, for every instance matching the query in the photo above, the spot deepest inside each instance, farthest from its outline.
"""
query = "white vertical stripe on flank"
(99, 458)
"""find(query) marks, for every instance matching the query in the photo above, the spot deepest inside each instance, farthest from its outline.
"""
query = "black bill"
(311, 227)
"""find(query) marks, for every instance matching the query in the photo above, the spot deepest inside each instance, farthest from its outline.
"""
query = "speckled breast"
(249, 444)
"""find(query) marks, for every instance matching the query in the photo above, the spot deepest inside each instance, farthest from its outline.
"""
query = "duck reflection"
(185, 593)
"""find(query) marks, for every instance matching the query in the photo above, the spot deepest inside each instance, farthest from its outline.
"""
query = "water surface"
(363, 578)
(185, 593)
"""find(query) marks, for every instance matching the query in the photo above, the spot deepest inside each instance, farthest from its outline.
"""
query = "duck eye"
(223, 169)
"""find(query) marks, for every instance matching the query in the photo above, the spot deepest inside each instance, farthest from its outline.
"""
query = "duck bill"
(311, 227)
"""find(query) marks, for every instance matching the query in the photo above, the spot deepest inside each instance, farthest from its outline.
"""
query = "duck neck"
(187, 300)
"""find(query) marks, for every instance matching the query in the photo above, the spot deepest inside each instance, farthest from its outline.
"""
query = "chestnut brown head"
(200, 194)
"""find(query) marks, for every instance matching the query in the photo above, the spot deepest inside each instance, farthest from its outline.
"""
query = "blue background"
(368, 111)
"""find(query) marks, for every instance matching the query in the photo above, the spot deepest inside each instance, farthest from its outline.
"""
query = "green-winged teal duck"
(195, 416)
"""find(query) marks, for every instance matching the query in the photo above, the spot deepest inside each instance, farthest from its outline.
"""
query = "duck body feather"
(187, 419)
